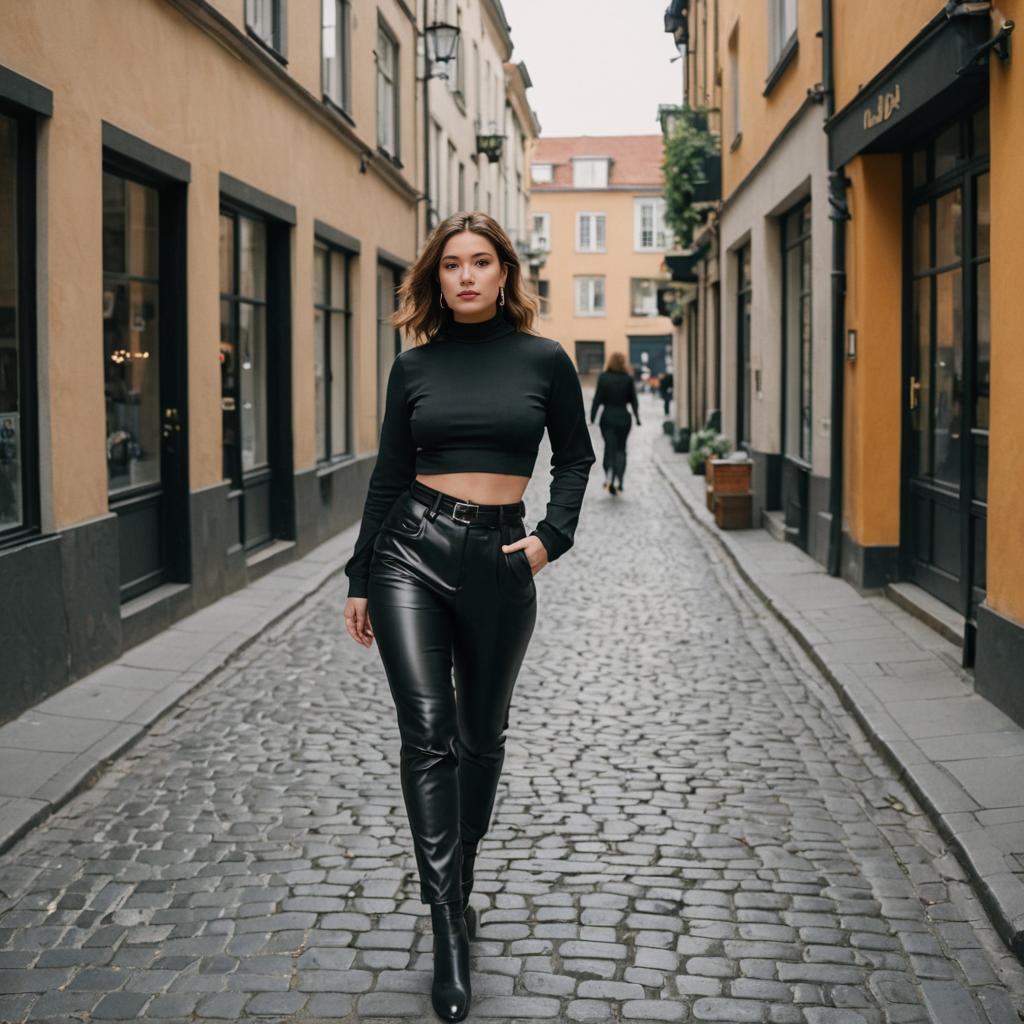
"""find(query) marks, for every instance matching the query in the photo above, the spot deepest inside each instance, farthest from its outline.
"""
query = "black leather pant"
(615, 430)
(443, 595)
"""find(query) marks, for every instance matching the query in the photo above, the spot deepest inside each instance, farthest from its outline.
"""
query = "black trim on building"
(25, 93)
(383, 256)
(338, 238)
(918, 86)
(239, 192)
(137, 150)
(997, 668)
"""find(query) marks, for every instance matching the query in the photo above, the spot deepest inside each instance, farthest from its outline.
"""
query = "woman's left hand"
(536, 553)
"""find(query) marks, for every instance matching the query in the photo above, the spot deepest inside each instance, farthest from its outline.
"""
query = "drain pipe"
(839, 214)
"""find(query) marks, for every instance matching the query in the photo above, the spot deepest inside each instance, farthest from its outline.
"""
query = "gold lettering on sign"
(885, 106)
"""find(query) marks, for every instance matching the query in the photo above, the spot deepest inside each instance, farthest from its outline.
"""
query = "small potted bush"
(706, 444)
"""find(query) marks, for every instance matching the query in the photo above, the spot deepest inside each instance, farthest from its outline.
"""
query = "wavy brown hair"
(617, 363)
(420, 312)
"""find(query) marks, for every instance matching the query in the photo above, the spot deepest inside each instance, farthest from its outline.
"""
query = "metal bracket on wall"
(999, 43)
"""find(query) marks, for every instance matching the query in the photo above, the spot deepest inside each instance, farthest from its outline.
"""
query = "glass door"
(946, 366)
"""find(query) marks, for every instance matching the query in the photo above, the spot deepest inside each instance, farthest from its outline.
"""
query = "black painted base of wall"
(60, 611)
(819, 519)
(868, 568)
(998, 676)
(766, 482)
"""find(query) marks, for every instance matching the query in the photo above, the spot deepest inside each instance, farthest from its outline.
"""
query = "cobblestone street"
(689, 828)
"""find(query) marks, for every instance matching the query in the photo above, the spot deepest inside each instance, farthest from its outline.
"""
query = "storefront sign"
(886, 105)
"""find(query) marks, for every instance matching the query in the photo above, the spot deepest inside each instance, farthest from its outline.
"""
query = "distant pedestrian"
(665, 387)
(616, 391)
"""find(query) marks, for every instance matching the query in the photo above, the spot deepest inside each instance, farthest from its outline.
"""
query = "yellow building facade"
(597, 216)
(204, 210)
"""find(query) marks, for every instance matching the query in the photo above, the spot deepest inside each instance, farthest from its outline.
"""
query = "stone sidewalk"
(59, 746)
(960, 755)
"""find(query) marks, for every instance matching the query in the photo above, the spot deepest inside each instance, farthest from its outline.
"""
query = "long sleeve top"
(614, 389)
(477, 398)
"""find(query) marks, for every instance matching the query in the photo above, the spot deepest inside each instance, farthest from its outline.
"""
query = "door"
(143, 378)
(946, 366)
(649, 354)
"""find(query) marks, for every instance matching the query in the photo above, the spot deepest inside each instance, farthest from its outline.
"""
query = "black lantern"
(490, 145)
(442, 39)
(675, 15)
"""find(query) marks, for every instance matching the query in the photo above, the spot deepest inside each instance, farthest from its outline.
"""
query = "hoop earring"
(501, 296)
(443, 306)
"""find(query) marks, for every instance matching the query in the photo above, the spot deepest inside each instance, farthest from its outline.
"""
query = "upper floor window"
(540, 232)
(544, 297)
(590, 232)
(590, 172)
(781, 28)
(387, 91)
(335, 52)
(265, 19)
(590, 296)
(643, 299)
(650, 234)
(542, 173)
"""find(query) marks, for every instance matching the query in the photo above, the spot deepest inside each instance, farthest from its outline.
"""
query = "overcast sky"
(599, 67)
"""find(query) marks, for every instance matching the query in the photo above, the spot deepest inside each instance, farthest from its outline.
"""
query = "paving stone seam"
(1008, 925)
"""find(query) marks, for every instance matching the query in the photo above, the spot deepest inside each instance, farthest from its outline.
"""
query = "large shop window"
(389, 341)
(18, 463)
(331, 345)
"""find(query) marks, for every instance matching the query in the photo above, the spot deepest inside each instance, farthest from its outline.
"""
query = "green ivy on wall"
(688, 145)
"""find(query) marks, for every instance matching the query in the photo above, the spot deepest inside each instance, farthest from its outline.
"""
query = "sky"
(599, 67)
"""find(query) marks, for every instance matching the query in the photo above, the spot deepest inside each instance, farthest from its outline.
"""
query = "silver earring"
(443, 306)
(501, 296)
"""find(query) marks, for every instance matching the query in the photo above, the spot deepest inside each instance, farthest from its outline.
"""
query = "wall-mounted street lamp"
(490, 145)
(441, 40)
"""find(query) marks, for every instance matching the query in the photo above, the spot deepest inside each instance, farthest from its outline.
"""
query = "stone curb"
(84, 727)
(945, 801)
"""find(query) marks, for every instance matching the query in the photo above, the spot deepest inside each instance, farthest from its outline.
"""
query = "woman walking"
(615, 390)
(443, 569)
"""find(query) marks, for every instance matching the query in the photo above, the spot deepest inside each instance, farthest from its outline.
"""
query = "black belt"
(467, 512)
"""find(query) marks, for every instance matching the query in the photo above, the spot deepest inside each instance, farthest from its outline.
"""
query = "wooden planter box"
(733, 511)
(731, 477)
(709, 484)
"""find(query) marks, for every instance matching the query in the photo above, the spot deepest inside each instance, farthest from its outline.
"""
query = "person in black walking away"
(443, 569)
(615, 390)
(665, 389)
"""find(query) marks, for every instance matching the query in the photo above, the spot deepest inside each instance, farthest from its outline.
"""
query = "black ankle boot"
(450, 993)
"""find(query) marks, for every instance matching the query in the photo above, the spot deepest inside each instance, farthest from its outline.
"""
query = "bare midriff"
(478, 488)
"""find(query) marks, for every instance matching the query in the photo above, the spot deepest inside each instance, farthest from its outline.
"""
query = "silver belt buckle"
(464, 504)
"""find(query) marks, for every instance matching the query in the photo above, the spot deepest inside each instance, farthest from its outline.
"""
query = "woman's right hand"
(357, 621)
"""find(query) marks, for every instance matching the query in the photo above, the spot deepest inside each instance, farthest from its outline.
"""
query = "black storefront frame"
(26, 140)
(744, 384)
(238, 198)
(796, 469)
(963, 176)
(134, 159)
(343, 246)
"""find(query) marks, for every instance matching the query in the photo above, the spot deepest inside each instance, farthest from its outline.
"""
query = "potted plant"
(706, 444)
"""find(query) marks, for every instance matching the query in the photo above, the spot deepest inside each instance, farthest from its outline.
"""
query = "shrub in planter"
(706, 444)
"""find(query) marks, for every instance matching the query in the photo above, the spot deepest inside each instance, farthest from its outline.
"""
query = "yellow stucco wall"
(871, 485)
(1006, 453)
(618, 265)
(762, 118)
(177, 88)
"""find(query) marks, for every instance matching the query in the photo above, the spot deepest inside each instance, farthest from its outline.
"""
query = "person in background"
(615, 390)
(665, 388)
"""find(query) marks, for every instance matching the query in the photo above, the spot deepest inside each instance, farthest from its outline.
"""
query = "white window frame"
(658, 229)
(586, 173)
(540, 237)
(588, 289)
(542, 173)
(386, 56)
(782, 22)
(651, 310)
(591, 232)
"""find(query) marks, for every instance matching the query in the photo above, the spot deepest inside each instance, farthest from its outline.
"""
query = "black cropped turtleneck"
(477, 398)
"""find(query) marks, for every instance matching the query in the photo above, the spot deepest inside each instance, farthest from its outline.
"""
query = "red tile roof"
(636, 159)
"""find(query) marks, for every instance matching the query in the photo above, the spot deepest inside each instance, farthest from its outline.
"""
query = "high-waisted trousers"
(615, 427)
(445, 602)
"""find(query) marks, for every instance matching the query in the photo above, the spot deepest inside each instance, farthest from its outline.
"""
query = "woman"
(443, 569)
(615, 390)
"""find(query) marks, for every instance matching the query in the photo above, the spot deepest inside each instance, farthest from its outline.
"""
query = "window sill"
(736, 141)
(785, 59)
(390, 157)
(20, 536)
(592, 315)
(264, 45)
(336, 108)
(327, 467)
(591, 252)
(460, 101)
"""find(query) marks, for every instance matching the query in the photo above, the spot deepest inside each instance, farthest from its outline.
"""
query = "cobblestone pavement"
(690, 828)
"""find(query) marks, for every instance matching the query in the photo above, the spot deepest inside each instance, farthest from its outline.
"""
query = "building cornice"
(497, 17)
(207, 18)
